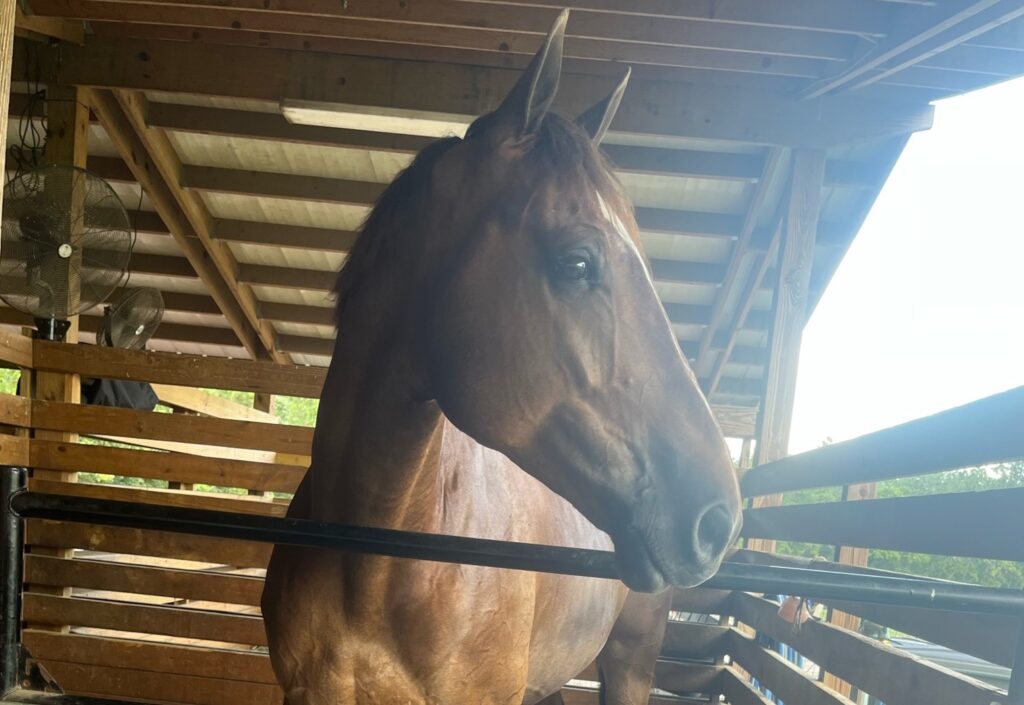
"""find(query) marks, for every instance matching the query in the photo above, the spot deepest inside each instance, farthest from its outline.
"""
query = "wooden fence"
(145, 615)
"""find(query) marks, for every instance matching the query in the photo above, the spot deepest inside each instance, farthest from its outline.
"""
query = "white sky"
(926, 311)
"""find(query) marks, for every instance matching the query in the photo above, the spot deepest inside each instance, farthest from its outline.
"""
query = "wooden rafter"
(517, 30)
(149, 158)
(441, 23)
(273, 127)
(694, 110)
(920, 38)
(774, 165)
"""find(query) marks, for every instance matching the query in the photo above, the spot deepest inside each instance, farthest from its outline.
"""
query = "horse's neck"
(376, 455)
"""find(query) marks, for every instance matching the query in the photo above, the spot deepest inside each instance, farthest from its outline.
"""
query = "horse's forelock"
(568, 151)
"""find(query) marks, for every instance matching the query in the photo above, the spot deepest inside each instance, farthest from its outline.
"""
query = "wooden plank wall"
(170, 617)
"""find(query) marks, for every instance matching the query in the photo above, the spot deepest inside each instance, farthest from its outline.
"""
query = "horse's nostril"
(715, 530)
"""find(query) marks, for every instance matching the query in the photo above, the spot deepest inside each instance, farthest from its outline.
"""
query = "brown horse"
(503, 370)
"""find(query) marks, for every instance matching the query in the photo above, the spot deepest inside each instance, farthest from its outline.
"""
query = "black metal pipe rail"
(818, 584)
(12, 481)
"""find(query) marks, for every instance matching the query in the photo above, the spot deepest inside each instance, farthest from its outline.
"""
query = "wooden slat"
(989, 637)
(687, 110)
(202, 402)
(700, 600)
(242, 504)
(122, 577)
(208, 451)
(930, 524)
(784, 679)
(693, 641)
(14, 450)
(181, 428)
(737, 691)
(15, 411)
(185, 370)
(172, 467)
(158, 659)
(889, 674)
(242, 554)
(144, 619)
(15, 349)
(985, 431)
(102, 681)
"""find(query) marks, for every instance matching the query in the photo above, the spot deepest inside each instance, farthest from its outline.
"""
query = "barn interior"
(248, 141)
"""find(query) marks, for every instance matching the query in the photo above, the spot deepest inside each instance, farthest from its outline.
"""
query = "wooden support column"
(66, 143)
(8, 11)
(849, 555)
(262, 402)
(789, 315)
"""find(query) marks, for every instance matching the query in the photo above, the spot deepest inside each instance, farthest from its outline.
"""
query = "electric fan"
(65, 245)
(131, 322)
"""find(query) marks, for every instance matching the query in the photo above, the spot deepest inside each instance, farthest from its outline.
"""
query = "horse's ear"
(531, 97)
(598, 118)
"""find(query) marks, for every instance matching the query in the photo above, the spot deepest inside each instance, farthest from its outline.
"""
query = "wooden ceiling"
(246, 217)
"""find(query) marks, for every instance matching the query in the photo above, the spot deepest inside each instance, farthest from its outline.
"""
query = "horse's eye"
(574, 266)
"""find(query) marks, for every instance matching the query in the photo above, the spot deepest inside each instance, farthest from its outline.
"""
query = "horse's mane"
(565, 149)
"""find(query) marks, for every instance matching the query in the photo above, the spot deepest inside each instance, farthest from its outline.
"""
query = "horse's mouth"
(643, 569)
(638, 567)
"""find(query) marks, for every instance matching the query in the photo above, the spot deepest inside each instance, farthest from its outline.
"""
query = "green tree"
(994, 573)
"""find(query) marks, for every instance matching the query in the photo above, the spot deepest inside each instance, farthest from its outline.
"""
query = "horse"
(504, 370)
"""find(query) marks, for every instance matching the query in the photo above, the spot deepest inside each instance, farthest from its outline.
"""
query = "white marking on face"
(620, 228)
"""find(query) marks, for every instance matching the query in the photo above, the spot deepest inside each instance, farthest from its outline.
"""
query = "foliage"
(973, 570)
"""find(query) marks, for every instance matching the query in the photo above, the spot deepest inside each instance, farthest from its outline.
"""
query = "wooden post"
(792, 298)
(262, 402)
(849, 555)
(8, 11)
(66, 143)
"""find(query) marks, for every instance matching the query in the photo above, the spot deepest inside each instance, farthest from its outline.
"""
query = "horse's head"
(545, 338)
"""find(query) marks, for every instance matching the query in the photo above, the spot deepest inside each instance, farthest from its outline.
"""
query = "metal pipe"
(819, 584)
(12, 481)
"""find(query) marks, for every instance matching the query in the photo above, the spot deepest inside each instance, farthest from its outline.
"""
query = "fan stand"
(52, 329)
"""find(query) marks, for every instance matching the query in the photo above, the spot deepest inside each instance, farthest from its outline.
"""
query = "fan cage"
(65, 242)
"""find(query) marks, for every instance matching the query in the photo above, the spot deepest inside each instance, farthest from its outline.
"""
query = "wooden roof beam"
(151, 157)
(918, 38)
(690, 110)
(510, 30)
(248, 124)
(518, 26)
(774, 168)
(627, 159)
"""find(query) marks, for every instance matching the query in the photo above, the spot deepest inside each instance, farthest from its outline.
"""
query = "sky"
(926, 311)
